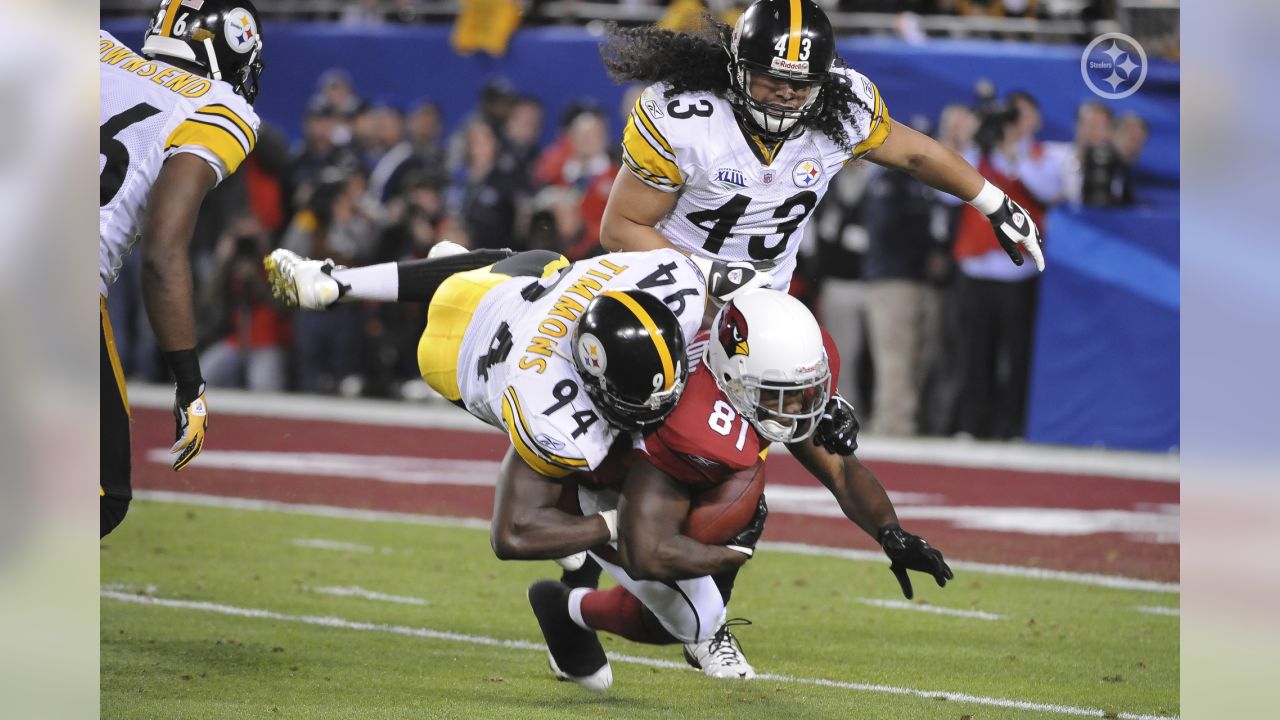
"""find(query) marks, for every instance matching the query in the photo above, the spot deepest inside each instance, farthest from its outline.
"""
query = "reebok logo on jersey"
(698, 459)
(806, 173)
(549, 443)
(730, 179)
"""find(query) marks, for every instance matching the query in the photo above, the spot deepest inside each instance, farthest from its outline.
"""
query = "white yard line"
(430, 634)
(1107, 581)
(1156, 610)
(917, 607)
(323, 544)
(1115, 582)
(357, 591)
(924, 451)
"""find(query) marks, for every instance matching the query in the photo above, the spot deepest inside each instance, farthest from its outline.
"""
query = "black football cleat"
(574, 654)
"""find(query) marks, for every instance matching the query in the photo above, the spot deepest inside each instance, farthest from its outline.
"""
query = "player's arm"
(942, 168)
(855, 487)
(633, 210)
(651, 510)
(179, 190)
(864, 501)
(526, 523)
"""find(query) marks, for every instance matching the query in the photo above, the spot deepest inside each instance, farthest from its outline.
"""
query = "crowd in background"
(933, 322)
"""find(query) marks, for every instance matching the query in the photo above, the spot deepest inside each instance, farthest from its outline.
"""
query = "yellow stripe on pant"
(116, 368)
(448, 316)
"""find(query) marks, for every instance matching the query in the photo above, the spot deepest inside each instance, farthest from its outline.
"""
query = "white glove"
(1013, 226)
(729, 279)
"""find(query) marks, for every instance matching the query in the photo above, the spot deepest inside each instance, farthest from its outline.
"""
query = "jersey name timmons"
(565, 311)
(183, 83)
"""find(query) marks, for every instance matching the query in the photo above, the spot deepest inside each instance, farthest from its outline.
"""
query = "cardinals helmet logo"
(733, 331)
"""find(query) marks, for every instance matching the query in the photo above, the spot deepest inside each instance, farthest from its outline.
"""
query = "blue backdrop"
(1105, 364)
(1106, 361)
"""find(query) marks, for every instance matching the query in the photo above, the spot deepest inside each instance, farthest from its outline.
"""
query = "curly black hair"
(698, 61)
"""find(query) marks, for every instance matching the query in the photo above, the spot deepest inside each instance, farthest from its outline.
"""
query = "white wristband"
(611, 520)
(749, 552)
(988, 200)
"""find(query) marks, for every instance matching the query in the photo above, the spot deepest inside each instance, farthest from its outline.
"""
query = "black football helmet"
(222, 37)
(786, 39)
(630, 351)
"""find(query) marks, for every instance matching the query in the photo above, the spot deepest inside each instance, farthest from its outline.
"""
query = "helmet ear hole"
(629, 348)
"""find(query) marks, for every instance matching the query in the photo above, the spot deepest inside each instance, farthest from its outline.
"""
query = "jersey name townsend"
(150, 111)
(739, 199)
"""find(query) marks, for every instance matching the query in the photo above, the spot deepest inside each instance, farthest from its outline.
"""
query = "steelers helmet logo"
(241, 31)
(591, 356)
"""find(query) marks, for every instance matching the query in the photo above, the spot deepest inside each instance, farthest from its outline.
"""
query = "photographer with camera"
(996, 300)
(250, 351)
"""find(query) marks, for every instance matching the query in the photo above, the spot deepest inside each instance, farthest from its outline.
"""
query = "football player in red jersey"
(766, 378)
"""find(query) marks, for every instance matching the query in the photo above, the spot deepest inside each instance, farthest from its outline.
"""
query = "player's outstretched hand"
(745, 541)
(911, 552)
(727, 280)
(1014, 228)
(838, 427)
(192, 418)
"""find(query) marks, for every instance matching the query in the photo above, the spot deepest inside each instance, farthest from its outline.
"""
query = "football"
(720, 512)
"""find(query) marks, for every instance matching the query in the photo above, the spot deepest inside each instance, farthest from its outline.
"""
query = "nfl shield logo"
(767, 176)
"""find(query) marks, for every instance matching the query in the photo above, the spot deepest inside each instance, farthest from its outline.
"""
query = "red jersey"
(704, 440)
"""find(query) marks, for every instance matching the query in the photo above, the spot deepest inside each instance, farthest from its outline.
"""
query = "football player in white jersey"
(173, 122)
(567, 359)
(733, 145)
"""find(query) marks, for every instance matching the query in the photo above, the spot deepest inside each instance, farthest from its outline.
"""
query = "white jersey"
(739, 199)
(149, 111)
(515, 367)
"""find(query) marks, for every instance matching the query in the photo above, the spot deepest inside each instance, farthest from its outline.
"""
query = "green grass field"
(315, 655)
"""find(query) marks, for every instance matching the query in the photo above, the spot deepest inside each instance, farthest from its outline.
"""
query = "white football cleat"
(720, 656)
(301, 281)
(445, 248)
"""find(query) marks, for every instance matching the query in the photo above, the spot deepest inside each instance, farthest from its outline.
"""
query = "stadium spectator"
(842, 300)
(487, 192)
(522, 131)
(425, 129)
(1042, 166)
(250, 350)
(996, 299)
(330, 344)
(495, 101)
(395, 154)
(1102, 178)
(336, 93)
(904, 261)
(556, 222)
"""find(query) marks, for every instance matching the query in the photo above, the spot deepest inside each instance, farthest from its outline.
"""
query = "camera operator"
(996, 300)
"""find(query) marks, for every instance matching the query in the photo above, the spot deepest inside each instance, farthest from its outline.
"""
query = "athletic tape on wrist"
(989, 199)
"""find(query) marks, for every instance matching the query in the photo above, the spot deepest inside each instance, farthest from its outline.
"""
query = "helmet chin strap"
(214, 71)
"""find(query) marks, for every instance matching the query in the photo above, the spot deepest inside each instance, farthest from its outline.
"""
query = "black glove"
(837, 430)
(745, 541)
(911, 552)
(1014, 227)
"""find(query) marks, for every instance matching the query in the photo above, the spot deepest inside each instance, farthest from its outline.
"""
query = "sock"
(419, 279)
(379, 282)
(619, 612)
(724, 582)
